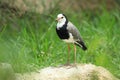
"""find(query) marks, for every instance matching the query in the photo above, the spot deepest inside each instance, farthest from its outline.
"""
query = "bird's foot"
(68, 65)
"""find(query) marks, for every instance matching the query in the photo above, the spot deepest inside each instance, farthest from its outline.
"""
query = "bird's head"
(61, 18)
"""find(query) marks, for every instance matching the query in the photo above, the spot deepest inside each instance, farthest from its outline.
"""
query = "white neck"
(60, 24)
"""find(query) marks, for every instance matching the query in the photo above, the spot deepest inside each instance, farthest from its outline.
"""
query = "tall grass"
(36, 44)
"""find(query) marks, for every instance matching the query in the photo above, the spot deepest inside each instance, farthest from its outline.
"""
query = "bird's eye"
(61, 17)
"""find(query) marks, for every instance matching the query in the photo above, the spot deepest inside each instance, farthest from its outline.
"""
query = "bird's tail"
(81, 44)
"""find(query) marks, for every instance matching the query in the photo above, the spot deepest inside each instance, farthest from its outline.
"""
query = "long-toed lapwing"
(69, 33)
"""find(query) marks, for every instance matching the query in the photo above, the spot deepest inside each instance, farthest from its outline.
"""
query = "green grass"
(36, 44)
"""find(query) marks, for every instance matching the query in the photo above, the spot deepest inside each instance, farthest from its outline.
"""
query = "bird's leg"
(74, 54)
(68, 61)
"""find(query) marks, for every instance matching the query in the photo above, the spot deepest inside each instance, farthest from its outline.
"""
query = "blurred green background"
(28, 40)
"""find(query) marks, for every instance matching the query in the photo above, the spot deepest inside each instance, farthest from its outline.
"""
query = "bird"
(68, 33)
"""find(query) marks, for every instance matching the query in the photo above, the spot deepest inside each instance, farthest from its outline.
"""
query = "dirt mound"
(78, 72)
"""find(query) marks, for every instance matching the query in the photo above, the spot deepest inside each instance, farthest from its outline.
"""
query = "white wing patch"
(70, 39)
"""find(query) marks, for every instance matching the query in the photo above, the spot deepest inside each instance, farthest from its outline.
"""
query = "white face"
(61, 18)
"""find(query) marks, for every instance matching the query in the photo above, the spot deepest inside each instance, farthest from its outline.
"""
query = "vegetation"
(29, 42)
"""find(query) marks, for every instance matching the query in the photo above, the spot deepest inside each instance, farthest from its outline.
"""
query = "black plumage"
(81, 44)
(63, 32)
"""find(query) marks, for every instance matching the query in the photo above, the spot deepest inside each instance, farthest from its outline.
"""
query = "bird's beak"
(57, 19)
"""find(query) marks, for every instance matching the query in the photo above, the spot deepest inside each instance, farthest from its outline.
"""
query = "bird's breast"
(62, 33)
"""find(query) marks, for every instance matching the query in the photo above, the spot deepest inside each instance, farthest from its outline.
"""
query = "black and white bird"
(69, 33)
